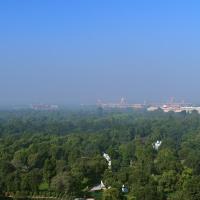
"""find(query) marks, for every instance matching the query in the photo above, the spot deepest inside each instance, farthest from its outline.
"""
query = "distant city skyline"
(76, 52)
(122, 100)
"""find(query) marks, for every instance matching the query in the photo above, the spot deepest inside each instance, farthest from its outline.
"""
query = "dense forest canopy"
(60, 154)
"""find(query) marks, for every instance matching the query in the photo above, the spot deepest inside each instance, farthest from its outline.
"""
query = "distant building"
(152, 108)
(189, 109)
(44, 107)
(121, 104)
(178, 108)
(174, 108)
(137, 106)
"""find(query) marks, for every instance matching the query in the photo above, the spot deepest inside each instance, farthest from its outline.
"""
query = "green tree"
(111, 194)
(49, 169)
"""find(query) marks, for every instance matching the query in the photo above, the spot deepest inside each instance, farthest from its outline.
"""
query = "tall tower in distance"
(122, 101)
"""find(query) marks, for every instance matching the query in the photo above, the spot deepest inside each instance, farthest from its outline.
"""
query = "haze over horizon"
(72, 52)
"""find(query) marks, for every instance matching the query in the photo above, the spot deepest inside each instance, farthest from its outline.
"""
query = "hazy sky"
(78, 51)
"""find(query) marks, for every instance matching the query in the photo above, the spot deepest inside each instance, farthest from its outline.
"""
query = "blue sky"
(77, 51)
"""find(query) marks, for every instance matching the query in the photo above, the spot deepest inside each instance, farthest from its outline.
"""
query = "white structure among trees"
(157, 144)
(107, 157)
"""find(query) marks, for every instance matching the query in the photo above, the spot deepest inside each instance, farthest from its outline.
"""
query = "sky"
(79, 51)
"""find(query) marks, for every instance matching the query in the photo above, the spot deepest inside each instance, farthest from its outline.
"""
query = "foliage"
(60, 154)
